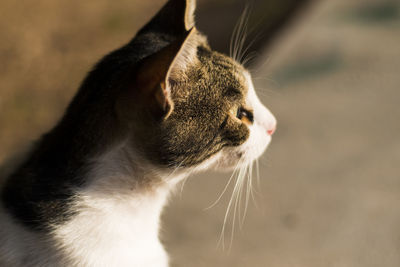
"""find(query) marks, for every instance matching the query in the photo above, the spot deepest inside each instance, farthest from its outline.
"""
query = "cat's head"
(179, 102)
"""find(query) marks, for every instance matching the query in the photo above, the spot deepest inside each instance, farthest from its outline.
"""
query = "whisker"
(263, 94)
(259, 67)
(246, 177)
(249, 57)
(175, 169)
(249, 45)
(244, 33)
(183, 184)
(238, 171)
(237, 35)
(267, 90)
(242, 180)
(254, 191)
(236, 196)
(258, 173)
(259, 78)
(233, 41)
(225, 188)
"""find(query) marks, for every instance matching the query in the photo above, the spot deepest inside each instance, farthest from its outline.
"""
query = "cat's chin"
(234, 158)
(230, 159)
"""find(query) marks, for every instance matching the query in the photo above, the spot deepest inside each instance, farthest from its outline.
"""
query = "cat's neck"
(118, 209)
(120, 176)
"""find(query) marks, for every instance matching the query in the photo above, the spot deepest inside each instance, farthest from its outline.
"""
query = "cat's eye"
(245, 115)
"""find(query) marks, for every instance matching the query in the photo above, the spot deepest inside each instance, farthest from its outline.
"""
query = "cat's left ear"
(174, 18)
(155, 76)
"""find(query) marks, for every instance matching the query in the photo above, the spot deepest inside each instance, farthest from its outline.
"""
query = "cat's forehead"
(225, 70)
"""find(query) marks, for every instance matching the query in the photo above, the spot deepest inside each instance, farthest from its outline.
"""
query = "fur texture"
(149, 114)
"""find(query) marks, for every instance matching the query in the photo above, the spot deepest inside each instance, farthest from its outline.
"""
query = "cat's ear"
(175, 18)
(157, 72)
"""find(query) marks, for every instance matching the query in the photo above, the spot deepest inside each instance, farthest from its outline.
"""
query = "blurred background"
(329, 70)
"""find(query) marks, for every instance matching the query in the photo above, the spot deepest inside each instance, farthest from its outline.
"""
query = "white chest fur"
(116, 231)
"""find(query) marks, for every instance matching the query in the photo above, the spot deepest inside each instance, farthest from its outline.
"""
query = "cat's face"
(216, 118)
(212, 117)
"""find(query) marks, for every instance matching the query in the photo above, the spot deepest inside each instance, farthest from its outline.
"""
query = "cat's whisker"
(244, 57)
(265, 90)
(233, 40)
(225, 188)
(258, 173)
(240, 193)
(238, 170)
(243, 41)
(253, 190)
(249, 45)
(265, 79)
(249, 189)
(249, 183)
(262, 161)
(268, 90)
(238, 35)
(235, 37)
(244, 34)
(174, 170)
(263, 94)
(236, 197)
(245, 176)
(249, 57)
(261, 67)
(232, 43)
(183, 184)
(261, 78)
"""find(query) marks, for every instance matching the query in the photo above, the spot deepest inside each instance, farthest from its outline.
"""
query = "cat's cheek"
(257, 143)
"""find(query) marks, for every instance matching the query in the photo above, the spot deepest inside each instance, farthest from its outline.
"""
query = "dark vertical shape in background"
(267, 18)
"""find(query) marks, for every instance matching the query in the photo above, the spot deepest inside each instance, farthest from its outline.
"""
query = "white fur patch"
(264, 121)
(118, 218)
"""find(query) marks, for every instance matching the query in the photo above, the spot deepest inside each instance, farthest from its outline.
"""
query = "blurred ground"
(330, 187)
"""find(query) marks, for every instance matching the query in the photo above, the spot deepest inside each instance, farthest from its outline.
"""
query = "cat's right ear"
(175, 18)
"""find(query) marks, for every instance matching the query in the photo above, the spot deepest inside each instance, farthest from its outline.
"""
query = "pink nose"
(271, 131)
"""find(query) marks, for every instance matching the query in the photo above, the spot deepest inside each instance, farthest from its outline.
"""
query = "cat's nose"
(271, 130)
(271, 127)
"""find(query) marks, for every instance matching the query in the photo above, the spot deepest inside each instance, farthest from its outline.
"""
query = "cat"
(91, 190)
